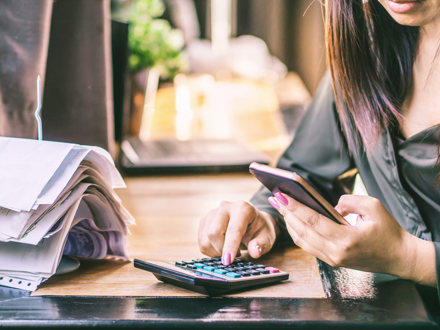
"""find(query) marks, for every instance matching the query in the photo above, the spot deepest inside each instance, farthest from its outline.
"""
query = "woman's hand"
(224, 229)
(376, 243)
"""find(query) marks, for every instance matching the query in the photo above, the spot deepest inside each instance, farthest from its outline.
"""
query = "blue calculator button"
(209, 268)
(233, 275)
(220, 271)
(199, 265)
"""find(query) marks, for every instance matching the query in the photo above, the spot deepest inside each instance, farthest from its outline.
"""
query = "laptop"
(192, 156)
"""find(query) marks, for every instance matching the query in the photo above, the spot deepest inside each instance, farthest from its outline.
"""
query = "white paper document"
(25, 168)
(55, 199)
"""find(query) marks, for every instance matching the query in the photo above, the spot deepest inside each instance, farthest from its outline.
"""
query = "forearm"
(417, 261)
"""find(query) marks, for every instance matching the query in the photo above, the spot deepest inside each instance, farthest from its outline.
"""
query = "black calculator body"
(209, 276)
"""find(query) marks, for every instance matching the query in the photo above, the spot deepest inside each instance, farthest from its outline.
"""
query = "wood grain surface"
(167, 211)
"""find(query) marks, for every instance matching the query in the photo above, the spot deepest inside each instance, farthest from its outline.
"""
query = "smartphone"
(292, 184)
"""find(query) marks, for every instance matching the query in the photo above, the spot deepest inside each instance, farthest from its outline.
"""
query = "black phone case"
(292, 188)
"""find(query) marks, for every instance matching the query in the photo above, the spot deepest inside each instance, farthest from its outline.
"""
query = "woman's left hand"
(376, 243)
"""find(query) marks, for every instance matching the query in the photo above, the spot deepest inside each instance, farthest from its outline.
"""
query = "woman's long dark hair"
(370, 58)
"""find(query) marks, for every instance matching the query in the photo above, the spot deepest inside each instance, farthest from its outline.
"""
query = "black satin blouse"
(403, 174)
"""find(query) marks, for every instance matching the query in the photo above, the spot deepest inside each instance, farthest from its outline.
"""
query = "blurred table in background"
(242, 109)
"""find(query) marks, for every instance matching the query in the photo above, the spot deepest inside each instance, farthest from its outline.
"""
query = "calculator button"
(233, 275)
(272, 269)
(199, 265)
(180, 263)
(220, 271)
(210, 268)
(191, 266)
(263, 271)
(244, 274)
(255, 272)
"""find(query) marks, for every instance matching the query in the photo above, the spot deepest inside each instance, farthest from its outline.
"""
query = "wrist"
(270, 219)
(417, 260)
(407, 257)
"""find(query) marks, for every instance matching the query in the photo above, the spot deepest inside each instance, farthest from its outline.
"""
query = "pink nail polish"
(274, 203)
(283, 200)
(259, 249)
(226, 259)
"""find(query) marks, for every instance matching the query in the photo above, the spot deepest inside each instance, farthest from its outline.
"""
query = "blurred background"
(292, 29)
(127, 75)
(241, 70)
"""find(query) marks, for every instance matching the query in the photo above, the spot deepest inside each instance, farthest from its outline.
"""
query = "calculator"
(209, 276)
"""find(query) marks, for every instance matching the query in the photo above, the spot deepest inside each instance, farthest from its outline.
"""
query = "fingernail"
(283, 200)
(226, 259)
(259, 249)
(274, 203)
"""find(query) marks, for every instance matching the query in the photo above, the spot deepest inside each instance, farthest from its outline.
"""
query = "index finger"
(239, 221)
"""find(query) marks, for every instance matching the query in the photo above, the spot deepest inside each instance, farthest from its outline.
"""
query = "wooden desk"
(167, 210)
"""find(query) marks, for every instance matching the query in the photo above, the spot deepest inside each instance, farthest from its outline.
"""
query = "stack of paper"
(55, 199)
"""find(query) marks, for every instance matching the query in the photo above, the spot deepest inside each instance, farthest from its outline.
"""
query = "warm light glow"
(221, 11)
(192, 97)
(152, 81)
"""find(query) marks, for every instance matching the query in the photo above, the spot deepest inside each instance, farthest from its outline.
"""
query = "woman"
(380, 117)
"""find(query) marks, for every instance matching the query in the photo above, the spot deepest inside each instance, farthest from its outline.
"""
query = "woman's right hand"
(231, 224)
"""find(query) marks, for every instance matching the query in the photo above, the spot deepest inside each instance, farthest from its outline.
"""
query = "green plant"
(152, 41)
